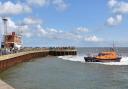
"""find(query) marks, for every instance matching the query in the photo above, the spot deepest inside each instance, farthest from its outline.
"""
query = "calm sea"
(65, 73)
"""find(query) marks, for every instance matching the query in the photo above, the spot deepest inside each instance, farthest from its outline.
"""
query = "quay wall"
(10, 60)
(19, 58)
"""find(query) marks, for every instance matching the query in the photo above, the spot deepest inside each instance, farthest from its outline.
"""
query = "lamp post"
(5, 31)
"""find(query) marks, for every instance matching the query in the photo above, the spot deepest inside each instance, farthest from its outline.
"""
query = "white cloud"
(26, 31)
(28, 34)
(113, 21)
(38, 2)
(60, 4)
(9, 8)
(41, 31)
(93, 39)
(112, 3)
(52, 33)
(1, 27)
(118, 6)
(52, 30)
(82, 29)
(11, 23)
(122, 7)
(11, 26)
(31, 21)
(59, 34)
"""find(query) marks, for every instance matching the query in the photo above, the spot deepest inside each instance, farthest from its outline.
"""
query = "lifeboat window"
(102, 54)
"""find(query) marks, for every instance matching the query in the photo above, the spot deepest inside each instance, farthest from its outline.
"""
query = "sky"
(81, 23)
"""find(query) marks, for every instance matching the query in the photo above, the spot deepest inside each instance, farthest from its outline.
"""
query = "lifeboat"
(107, 56)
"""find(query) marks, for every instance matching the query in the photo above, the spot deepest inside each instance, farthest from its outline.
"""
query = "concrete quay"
(4, 85)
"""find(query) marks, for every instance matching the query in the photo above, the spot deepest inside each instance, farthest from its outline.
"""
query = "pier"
(62, 51)
(7, 61)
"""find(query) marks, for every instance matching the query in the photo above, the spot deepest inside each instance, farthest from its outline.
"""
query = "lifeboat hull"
(93, 59)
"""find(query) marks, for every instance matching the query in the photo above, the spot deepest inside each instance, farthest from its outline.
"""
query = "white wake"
(73, 58)
(124, 60)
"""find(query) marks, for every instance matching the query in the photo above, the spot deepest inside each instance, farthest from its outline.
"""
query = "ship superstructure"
(10, 40)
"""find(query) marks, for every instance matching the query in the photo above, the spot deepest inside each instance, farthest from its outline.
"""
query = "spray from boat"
(123, 61)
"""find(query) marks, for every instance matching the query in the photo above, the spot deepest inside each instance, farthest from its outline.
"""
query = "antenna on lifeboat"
(114, 48)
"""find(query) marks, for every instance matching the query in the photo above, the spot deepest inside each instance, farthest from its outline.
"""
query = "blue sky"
(67, 22)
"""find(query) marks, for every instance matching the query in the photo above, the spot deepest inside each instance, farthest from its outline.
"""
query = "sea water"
(70, 72)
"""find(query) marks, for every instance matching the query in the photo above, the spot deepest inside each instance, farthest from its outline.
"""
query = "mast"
(113, 45)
